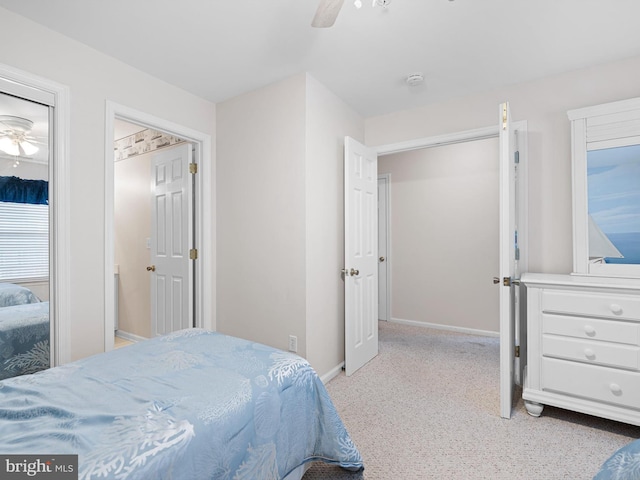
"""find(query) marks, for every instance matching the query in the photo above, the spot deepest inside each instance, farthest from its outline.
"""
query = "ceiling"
(218, 49)
(39, 115)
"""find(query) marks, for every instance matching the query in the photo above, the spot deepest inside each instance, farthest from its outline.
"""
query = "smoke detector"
(415, 79)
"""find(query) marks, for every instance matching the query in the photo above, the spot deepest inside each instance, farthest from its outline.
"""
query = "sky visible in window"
(614, 197)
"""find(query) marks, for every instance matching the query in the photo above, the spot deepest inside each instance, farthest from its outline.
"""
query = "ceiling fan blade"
(326, 13)
(28, 148)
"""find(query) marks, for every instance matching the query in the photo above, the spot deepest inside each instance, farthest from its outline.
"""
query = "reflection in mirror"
(24, 237)
(613, 192)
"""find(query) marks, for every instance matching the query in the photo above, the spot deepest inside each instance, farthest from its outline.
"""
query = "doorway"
(360, 175)
(384, 247)
(203, 201)
(444, 227)
(151, 273)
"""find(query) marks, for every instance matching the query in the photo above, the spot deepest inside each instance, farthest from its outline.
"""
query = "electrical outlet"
(293, 343)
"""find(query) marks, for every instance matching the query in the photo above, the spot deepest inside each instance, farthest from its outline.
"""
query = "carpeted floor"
(427, 407)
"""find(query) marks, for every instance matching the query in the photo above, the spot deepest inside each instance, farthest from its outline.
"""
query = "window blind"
(24, 241)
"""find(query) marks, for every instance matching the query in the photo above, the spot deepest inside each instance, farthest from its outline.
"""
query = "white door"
(360, 254)
(171, 290)
(508, 242)
(383, 254)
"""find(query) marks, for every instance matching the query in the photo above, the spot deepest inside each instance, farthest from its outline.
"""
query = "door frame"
(387, 234)
(204, 203)
(26, 85)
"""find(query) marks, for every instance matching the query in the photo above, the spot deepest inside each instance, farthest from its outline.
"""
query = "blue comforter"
(191, 405)
(624, 464)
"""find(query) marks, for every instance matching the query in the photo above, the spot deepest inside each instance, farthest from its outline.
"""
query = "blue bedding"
(12, 294)
(24, 339)
(191, 405)
(624, 464)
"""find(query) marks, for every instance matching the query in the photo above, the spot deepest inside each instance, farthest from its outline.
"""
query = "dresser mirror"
(606, 188)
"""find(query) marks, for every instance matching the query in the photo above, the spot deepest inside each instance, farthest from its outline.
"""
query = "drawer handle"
(590, 354)
(615, 389)
(589, 330)
(616, 309)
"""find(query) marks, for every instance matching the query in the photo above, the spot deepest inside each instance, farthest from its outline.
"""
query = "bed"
(24, 331)
(624, 464)
(190, 405)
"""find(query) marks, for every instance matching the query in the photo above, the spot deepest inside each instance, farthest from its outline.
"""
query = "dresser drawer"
(599, 353)
(593, 382)
(591, 328)
(592, 304)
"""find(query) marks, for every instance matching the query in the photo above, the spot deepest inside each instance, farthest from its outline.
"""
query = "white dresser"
(583, 345)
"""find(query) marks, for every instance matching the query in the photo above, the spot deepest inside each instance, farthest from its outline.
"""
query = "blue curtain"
(19, 190)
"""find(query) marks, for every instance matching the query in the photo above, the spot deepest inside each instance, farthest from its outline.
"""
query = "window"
(24, 241)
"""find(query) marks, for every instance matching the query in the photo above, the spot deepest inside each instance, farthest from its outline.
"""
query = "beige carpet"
(427, 407)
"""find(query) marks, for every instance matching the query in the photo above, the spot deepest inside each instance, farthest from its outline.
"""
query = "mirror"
(24, 236)
(606, 189)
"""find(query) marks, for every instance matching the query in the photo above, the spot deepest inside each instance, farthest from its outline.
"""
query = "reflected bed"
(24, 331)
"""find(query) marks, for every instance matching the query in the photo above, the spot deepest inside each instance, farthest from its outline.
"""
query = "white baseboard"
(437, 326)
(334, 372)
(130, 336)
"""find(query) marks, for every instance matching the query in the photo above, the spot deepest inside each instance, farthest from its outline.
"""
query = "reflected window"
(24, 241)
(613, 191)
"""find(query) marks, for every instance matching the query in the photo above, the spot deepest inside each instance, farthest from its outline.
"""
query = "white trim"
(436, 141)
(44, 90)
(333, 373)
(437, 326)
(604, 109)
(205, 210)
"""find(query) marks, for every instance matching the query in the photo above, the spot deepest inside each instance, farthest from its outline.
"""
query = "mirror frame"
(609, 125)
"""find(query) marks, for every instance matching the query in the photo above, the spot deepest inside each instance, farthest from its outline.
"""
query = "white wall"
(280, 217)
(261, 214)
(328, 121)
(92, 78)
(444, 234)
(132, 226)
(543, 104)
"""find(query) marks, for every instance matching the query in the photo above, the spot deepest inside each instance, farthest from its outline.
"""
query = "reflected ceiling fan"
(14, 136)
(328, 11)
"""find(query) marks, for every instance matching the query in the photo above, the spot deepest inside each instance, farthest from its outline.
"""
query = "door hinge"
(516, 157)
(517, 351)
(504, 116)
(193, 254)
(193, 168)
(508, 281)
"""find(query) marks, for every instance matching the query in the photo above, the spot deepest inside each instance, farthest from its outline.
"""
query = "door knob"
(496, 280)
(381, 259)
(354, 272)
(151, 268)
